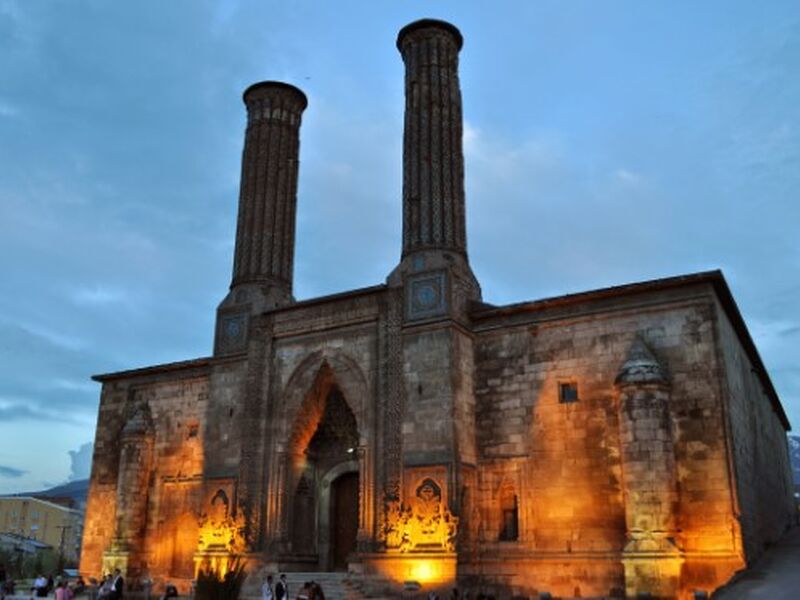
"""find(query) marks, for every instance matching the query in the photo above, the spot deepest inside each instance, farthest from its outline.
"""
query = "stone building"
(617, 441)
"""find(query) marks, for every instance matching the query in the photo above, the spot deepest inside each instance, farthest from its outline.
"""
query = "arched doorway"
(325, 483)
(343, 519)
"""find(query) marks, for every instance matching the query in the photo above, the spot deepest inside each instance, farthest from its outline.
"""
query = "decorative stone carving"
(220, 536)
(391, 345)
(423, 525)
(219, 529)
(426, 295)
(232, 332)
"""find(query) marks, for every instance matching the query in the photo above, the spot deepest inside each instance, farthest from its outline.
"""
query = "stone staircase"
(335, 586)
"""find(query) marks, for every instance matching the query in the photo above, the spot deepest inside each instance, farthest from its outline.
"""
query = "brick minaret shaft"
(433, 158)
(265, 231)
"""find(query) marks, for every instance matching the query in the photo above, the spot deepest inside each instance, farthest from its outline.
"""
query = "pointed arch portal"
(323, 479)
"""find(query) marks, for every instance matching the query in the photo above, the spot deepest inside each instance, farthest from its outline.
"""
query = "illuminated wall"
(566, 460)
(624, 439)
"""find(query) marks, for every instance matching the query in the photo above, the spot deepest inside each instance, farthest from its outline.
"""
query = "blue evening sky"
(606, 143)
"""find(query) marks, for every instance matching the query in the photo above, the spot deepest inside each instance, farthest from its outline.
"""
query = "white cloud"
(81, 462)
(97, 295)
(74, 386)
(62, 340)
(628, 177)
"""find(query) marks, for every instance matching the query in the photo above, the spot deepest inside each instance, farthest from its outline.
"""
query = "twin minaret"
(434, 230)
(264, 257)
(433, 159)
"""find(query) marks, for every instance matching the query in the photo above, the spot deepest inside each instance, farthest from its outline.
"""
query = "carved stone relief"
(424, 524)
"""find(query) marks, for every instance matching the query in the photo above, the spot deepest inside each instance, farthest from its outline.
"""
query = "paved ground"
(776, 576)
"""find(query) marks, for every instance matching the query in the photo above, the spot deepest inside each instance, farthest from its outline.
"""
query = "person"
(80, 585)
(266, 589)
(104, 593)
(117, 585)
(281, 589)
(92, 588)
(63, 591)
(316, 591)
(147, 586)
(7, 587)
(170, 592)
(40, 586)
(305, 591)
(104, 588)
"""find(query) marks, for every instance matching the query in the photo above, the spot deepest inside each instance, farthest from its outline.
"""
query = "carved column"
(363, 494)
(393, 396)
(651, 557)
(256, 438)
(282, 512)
(133, 479)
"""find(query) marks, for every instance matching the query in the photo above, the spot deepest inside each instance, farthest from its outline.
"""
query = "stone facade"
(609, 443)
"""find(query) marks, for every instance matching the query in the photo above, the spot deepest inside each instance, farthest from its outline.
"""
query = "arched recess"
(326, 393)
(302, 400)
(508, 501)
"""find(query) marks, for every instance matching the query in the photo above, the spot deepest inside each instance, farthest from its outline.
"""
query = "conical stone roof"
(641, 366)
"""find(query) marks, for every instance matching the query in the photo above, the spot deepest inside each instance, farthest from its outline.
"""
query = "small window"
(567, 392)
(509, 525)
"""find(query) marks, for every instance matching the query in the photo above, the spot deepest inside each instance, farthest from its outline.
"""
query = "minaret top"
(430, 24)
(268, 88)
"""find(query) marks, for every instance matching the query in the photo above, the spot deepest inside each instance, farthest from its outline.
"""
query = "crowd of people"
(42, 586)
(112, 587)
(311, 590)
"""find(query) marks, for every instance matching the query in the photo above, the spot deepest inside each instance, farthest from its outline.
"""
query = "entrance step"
(335, 586)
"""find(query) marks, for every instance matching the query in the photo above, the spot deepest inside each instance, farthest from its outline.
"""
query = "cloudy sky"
(606, 142)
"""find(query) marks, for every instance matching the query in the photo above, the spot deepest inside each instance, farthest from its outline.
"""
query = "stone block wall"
(428, 418)
(567, 455)
(760, 453)
(221, 436)
(177, 403)
(535, 476)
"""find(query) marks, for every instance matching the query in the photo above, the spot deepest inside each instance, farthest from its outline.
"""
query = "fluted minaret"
(268, 194)
(434, 223)
(264, 256)
(433, 157)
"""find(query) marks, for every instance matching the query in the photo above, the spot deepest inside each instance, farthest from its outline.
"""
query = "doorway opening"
(344, 519)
